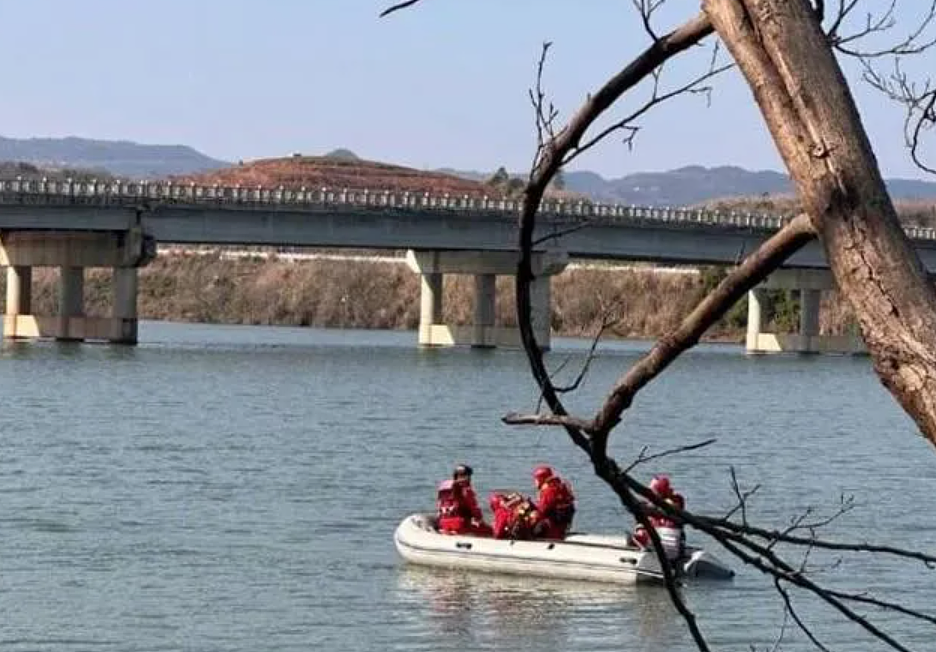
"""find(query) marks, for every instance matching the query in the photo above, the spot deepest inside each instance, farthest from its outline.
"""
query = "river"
(236, 488)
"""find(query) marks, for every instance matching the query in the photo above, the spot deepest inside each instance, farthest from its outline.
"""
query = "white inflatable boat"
(599, 558)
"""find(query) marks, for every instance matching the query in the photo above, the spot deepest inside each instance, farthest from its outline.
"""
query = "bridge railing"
(123, 193)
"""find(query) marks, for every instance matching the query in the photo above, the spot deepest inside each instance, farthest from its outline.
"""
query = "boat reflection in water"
(459, 610)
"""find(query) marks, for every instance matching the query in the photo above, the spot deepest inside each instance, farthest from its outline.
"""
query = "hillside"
(695, 184)
(121, 158)
(333, 171)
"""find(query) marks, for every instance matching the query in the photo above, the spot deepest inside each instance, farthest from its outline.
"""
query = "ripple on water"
(238, 489)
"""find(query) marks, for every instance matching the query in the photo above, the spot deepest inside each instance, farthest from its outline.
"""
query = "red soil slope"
(321, 171)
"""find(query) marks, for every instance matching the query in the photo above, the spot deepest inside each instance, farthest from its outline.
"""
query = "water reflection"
(470, 610)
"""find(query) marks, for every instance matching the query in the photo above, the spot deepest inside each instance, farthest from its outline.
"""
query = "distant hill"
(684, 186)
(695, 184)
(121, 158)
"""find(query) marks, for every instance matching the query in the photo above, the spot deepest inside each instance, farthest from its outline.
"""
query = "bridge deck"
(190, 214)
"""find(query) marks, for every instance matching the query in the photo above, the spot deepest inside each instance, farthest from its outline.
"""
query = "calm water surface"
(237, 489)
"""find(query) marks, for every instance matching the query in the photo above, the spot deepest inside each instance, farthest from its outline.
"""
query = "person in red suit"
(555, 504)
(661, 486)
(457, 506)
(515, 516)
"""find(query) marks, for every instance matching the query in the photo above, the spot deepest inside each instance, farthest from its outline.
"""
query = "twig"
(799, 622)
(742, 497)
(561, 233)
(883, 23)
(655, 99)
(397, 7)
(643, 459)
(574, 385)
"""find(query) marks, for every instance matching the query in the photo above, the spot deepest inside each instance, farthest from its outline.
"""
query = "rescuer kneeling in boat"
(515, 516)
(457, 505)
(671, 533)
(556, 504)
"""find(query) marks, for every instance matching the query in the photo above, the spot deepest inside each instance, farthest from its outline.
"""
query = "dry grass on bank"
(354, 294)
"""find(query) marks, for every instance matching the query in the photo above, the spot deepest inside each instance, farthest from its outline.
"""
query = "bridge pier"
(809, 284)
(485, 267)
(19, 290)
(72, 252)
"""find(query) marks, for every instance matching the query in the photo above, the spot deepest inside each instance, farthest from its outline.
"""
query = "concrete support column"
(125, 305)
(485, 298)
(430, 306)
(71, 301)
(541, 310)
(484, 266)
(19, 290)
(71, 252)
(754, 320)
(125, 292)
(71, 291)
(809, 284)
(809, 313)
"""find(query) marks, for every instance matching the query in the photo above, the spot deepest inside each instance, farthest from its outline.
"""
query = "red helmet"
(660, 485)
(541, 474)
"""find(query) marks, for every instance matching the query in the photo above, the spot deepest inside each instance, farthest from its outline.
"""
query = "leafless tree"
(789, 61)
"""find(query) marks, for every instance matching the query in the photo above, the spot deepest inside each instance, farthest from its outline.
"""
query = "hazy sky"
(442, 84)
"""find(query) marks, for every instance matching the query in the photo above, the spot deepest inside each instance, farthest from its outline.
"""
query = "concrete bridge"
(73, 225)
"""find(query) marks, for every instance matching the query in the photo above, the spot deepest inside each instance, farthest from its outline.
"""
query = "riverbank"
(210, 288)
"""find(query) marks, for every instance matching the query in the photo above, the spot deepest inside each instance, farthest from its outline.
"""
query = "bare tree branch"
(796, 618)
(757, 547)
(752, 271)
(693, 86)
(642, 458)
(556, 235)
(518, 419)
(397, 7)
(881, 24)
(544, 116)
(820, 9)
(586, 365)
(918, 100)
(742, 497)
(843, 10)
(646, 8)
(547, 163)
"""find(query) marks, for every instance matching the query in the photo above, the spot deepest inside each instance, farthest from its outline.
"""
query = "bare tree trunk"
(782, 51)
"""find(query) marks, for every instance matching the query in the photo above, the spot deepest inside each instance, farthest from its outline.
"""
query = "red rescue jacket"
(661, 520)
(515, 518)
(556, 506)
(457, 506)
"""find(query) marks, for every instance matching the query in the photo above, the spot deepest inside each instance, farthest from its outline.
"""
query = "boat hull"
(418, 542)
(598, 558)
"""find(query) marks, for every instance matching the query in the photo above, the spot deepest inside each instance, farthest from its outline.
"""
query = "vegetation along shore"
(215, 287)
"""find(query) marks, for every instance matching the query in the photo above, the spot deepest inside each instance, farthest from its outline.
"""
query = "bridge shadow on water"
(65, 350)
